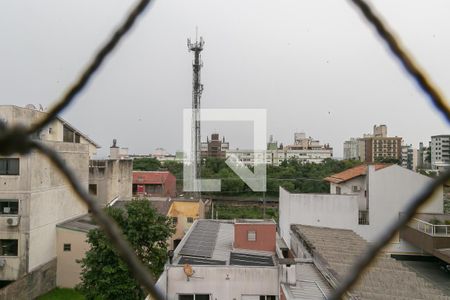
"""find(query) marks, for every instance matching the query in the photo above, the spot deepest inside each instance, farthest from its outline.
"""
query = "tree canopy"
(104, 275)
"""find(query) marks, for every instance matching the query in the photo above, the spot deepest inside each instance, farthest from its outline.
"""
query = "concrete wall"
(68, 270)
(336, 211)
(32, 285)
(52, 201)
(222, 282)
(114, 180)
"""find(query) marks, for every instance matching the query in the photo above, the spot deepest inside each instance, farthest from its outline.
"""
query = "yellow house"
(183, 213)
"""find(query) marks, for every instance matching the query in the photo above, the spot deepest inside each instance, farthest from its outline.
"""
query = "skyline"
(332, 80)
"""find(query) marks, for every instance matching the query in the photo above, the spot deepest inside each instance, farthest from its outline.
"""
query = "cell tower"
(197, 89)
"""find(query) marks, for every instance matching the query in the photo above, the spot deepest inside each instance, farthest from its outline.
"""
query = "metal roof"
(200, 261)
(202, 240)
(244, 259)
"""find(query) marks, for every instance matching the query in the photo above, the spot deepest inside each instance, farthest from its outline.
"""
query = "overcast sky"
(314, 65)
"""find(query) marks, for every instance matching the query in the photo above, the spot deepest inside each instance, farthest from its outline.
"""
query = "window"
(8, 247)
(174, 220)
(67, 247)
(355, 188)
(9, 207)
(268, 297)
(338, 190)
(193, 297)
(93, 189)
(251, 235)
(190, 219)
(9, 166)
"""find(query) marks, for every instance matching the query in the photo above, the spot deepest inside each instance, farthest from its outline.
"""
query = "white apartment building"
(305, 150)
(440, 152)
(34, 197)
(364, 199)
(351, 149)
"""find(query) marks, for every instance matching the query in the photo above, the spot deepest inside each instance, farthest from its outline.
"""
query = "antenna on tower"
(197, 89)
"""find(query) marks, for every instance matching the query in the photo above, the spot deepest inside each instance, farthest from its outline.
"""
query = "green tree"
(104, 275)
(146, 164)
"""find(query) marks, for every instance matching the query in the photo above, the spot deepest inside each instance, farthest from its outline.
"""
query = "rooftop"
(161, 204)
(353, 173)
(210, 242)
(386, 278)
(150, 177)
(83, 224)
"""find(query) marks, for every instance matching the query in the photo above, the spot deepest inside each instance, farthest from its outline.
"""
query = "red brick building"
(154, 183)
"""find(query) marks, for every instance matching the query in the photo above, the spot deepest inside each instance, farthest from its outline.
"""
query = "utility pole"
(197, 89)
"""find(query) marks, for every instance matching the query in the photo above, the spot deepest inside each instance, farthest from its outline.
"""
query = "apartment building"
(364, 199)
(440, 152)
(111, 179)
(214, 147)
(351, 149)
(34, 197)
(305, 150)
(220, 259)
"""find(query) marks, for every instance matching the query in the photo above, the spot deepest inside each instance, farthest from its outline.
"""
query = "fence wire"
(17, 140)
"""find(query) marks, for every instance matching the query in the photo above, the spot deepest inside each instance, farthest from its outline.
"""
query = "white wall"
(336, 211)
(212, 280)
(390, 189)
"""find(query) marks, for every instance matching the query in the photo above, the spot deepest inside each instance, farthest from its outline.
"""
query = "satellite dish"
(30, 106)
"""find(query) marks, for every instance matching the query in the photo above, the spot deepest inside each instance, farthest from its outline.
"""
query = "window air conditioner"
(12, 221)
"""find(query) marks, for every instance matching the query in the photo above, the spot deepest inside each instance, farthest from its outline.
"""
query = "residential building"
(323, 257)
(220, 259)
(162, 155)
(71, 235)
(111, 179)
(71, 247)
(374, 147)
(440, 152)
(34, 196)
(183, 213)
(409, 157)
(214, 147)
(305, 150)
(423, 157)
(351, 149)
(154, 184)
(364, 199)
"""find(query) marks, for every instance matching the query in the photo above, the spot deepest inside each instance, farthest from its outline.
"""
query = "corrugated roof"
(83, 223)
(150, 177)
(386, 278)
(352, 173)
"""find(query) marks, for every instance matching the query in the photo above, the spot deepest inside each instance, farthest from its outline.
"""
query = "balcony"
(430, 233)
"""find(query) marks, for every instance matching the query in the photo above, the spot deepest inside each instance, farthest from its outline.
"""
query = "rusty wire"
(17, 140)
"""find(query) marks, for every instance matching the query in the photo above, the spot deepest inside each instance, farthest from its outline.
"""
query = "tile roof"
(353, 172)
(386, 278)
(150, 177)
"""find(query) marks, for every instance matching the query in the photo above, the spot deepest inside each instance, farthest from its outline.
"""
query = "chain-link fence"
(17, 140)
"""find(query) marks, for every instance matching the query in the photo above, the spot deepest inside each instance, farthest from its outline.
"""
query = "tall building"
(351, 149)
(440, 152)
(379, 146)
(214, 147)
(34, 197)
(409, 157)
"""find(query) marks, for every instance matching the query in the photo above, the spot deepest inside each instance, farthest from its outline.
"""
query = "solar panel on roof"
(199, 261)
(242, 259)
(202, 240)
